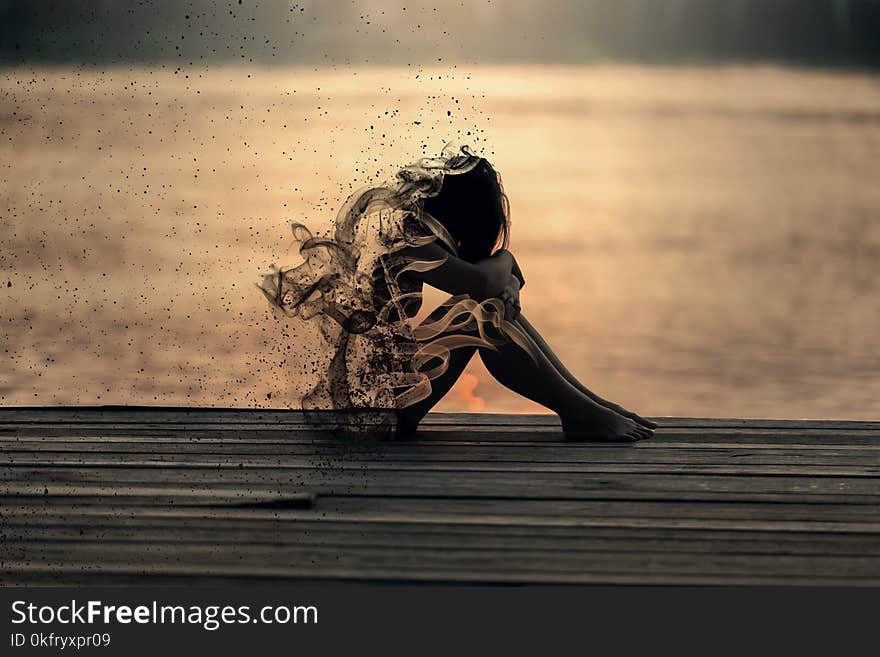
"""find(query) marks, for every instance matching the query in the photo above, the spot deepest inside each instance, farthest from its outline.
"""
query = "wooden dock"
(122, 495)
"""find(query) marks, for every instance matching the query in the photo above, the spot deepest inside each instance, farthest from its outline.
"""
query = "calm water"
(695, 242)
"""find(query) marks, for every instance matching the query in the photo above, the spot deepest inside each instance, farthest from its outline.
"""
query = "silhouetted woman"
(445, 222)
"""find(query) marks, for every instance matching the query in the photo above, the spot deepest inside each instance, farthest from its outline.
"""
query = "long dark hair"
(473, 207)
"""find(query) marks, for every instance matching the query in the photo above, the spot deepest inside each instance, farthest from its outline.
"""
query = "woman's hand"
(514, 265)
(510, 298)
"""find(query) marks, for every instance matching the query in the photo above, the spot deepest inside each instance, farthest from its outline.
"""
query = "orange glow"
(465, 388)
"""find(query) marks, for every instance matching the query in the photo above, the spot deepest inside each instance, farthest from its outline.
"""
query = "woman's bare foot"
(600, 424)
(635, 417)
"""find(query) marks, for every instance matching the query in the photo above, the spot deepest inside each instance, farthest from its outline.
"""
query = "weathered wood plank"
(534, 436)
(220, 530)
(355, 537)
(341, 463)
(155, 423)
(165, 415)
(488, 565)
(264, 444)
(394, 452)
(27, 573)
(429, 482)
(35, 501)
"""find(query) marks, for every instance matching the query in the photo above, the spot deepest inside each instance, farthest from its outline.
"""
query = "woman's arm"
(480, 280)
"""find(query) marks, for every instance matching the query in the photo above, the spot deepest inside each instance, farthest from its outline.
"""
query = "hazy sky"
(421, 31)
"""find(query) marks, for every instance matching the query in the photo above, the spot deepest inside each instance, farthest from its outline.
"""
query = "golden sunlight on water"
(695, 241)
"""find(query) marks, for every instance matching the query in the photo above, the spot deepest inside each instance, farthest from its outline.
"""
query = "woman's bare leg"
(537, 379)
(408, 418)
(532, 332)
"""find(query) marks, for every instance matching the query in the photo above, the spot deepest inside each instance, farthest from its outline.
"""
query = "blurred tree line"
(810, 32)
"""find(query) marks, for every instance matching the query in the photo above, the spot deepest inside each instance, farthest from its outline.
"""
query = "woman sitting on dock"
(443, 222)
